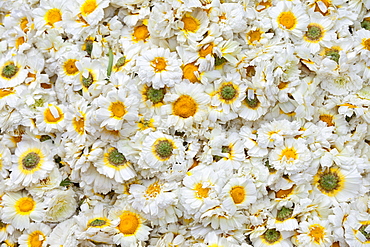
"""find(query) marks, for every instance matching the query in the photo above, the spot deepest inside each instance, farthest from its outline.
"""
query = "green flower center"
(30, 161)
(365, 24)
(89, 46)
(366, 234)
(97, 222)
(284, 213)
(271, 235)
(224, 149)
(228, 92)
(252, 103)
(220, 60)
(9, 71)
(329, 182)
(164, 149)
(333, 55)
(155, 95)
(120, 62)
(87, 81)
(116, 158)
(313, 32)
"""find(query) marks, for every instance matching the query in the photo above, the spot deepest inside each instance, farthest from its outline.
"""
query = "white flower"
(60, 205)
(36, 235)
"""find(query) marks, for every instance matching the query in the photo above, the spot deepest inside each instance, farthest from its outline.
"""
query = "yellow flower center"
(36, 239)
(5, 92)
(366, 43)
(188, 72)
(289, 154)
(118, 109)
(52, 16)
(79, 125)
(254, 35)
(317, 232)
(159, 64)
(129, 223)
(53, 114)
(190, 23)
(327, 5)
(238, 194)
(201, 192)
(88, 7)
(328, 119)
(153, 190)
(23, 24)
(25, 205)
(185, 106)
(70, 67)
(284, 193)
(205, 50)
(141, 33)
(19, 42)
(263, 5)
(287, 19)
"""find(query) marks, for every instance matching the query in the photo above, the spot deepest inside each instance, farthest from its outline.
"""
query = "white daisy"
(292, 157)
(51, 118)
(61, 204)
(314, 233)
(159, 67)
(32, 162)
(117, 109)
(36, 235)
(192, 26)
(13, 71)
(92, 11)
(19, 209)
(49, 15)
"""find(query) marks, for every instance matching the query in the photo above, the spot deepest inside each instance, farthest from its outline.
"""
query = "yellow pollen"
(36, 239)
(49, 117)
(141, 33)
(25, 205)
(201, 192)
(129, 223)
(5, 92)
(23, 24)
(52, 16)
(263, 5)
(254, 36)
(188, 72)
(205, 50)
(328, 119)
(238, 194)
(79, 125)
(287, 19)
(159, 64)
(153, 190)
(317, 233)
(335, 244)
(88, 7)
(326, 3)
(289, 153)
(190, 23)
(19, 42)
(70, 67)
(366, 43)
(283, 85)
(118, 109)
(185, 106)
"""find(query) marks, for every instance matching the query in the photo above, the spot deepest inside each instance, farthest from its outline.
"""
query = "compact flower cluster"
(185, 123)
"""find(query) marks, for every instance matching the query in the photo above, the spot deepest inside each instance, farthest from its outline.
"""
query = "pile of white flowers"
(185, 123)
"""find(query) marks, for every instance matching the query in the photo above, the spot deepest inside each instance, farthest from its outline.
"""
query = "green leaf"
(110, 63)
(65, 182)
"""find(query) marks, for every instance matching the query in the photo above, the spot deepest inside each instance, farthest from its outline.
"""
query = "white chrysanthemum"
(5, 161)
(200, 191)
(127, 226)
(32, 162)
(238, 193)
(12, 70)
(36, 235)
(93, 223)
(272, 134)
(159, 67)
(153, 197)
(292, 157)
(113, 164)
(192, 26)
(254, 105)
(339, 184)
(63, 234)
(315, 232)
(160, 151)
(117, 109)
(61, 204)
(67, 68)
(49, 15)
(262, 237)
(19, 209)
(51, 118)
(284, 219)
(289, 18)
(6, 230)
(91, 11)
(186, 105)
(226, 96)
(51, 182)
